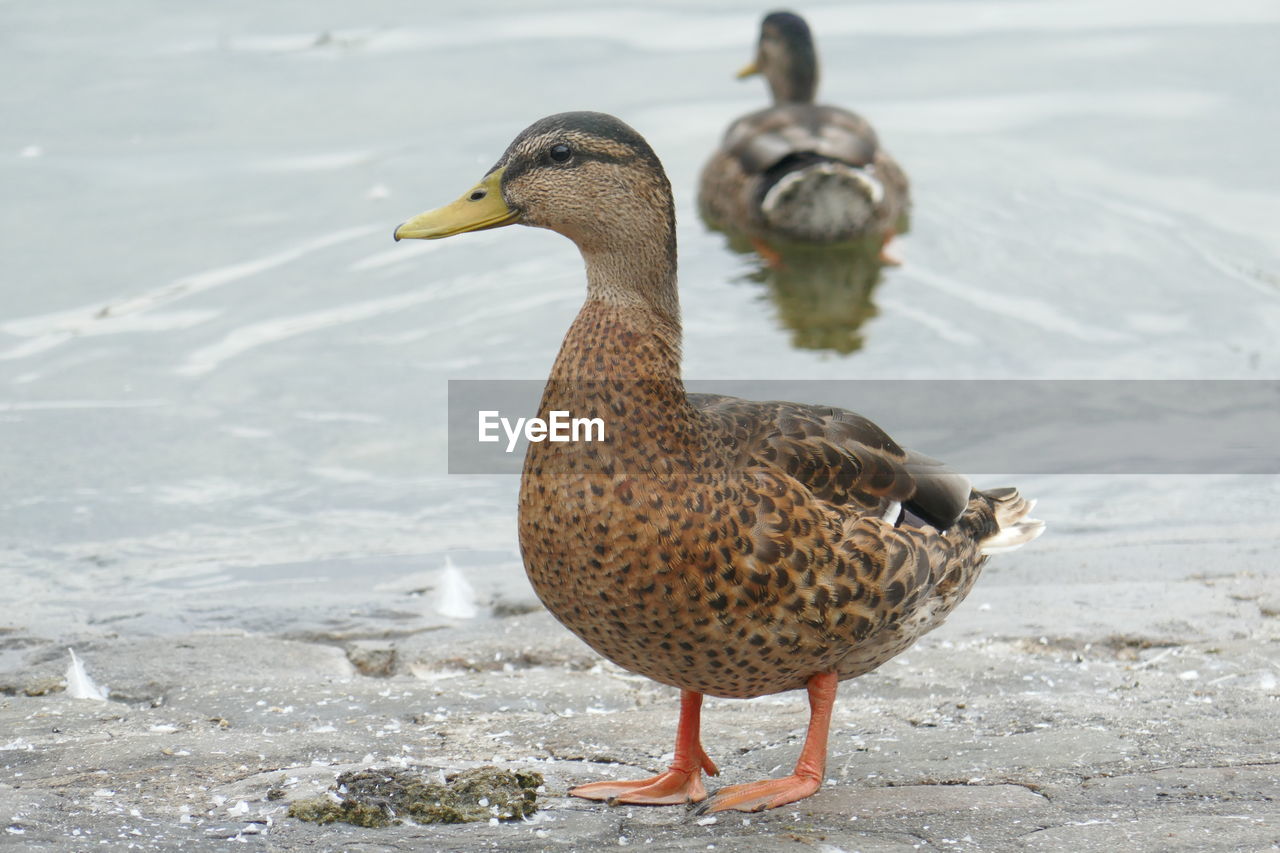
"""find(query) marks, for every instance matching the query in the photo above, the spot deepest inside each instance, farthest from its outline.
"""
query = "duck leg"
(771, 793)
(772, 257)
(682, 783)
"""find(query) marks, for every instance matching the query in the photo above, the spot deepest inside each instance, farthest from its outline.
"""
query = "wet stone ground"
(985, 736)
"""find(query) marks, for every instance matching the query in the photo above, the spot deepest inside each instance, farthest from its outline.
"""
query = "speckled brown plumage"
(719, 545)
(730, 547)
(829, 160)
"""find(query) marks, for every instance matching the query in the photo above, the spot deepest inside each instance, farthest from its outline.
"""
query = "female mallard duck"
(798, 171)
(714, 544)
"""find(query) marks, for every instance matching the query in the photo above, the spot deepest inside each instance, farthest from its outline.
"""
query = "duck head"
(786, 57)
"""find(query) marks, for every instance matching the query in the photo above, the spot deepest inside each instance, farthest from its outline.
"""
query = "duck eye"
(560, 153)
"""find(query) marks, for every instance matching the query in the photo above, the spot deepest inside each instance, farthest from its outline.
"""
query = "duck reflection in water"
(824, 294)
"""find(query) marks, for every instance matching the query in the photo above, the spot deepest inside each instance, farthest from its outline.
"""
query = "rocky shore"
(1081, 716)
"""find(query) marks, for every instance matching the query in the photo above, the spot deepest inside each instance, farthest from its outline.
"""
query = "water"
(222, 385)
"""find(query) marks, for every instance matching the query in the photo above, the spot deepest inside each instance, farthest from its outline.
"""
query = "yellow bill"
(480, 208)
(748, 69)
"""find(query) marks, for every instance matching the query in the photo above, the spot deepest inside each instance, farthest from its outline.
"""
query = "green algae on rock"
(384, 797)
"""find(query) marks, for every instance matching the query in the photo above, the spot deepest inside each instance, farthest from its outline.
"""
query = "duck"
(721, 546)
(798, 171)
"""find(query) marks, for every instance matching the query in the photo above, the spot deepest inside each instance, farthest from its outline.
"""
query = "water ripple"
(662, 30)
(50, 330)
(249, 337)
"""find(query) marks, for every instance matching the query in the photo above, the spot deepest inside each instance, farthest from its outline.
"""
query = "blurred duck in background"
(800, 172)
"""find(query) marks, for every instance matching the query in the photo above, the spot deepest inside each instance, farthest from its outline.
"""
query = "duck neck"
(655, 306)
(634, 272)
(797, 81)
(632, 301)
(620, 359)
(622, 353)
(620, 341)
(620, 362)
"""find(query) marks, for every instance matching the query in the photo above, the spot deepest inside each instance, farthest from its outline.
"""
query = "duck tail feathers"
(821, 200)
(1015, 527)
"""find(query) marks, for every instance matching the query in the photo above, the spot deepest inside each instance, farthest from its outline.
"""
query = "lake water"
(222, 386)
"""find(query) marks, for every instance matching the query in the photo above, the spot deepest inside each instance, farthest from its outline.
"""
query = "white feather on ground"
(455, 597)
(79, 684)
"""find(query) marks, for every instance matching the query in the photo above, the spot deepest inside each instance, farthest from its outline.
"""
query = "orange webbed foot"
(807, 778)
(682, 783)
(666, 789)
(758, 796)
(678, 785)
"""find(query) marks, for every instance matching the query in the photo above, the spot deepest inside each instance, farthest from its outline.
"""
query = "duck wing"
(761, 140)
(843, 458)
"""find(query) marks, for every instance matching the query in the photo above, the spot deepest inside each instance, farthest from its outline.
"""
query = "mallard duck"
(799, 171)
(718, 545)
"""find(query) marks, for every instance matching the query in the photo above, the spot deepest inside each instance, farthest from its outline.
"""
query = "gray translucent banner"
(975, 426)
